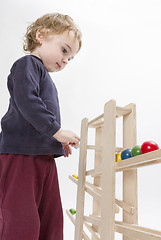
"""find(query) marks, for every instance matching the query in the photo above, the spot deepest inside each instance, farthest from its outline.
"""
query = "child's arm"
(66, 136)
(67, 150)
(26, 77)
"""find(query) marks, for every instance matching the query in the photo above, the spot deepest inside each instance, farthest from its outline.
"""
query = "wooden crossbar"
(94, 172)
(122, 111)
(99, 148)
(72, 218)
(125, 206)
(136, 232)
(93, 147)
(93, 220)
(85, 236)
(98, 121)
(90, 191)
(73, 179)
(92, 230)
(97, 196)
(95, 188)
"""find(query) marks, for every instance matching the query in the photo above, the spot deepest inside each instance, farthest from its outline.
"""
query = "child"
(31, 137)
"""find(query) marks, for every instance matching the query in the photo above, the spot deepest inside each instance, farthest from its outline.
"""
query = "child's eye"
(64, 50)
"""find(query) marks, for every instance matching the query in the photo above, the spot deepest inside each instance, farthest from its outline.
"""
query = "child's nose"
(65, 60)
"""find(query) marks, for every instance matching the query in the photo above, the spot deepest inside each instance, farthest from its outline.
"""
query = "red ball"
(149, 146)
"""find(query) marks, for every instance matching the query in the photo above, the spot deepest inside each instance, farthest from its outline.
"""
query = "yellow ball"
(118, 157)
(75, 176)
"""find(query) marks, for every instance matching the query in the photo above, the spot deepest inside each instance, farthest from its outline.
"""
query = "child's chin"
(58, 70)
(53, 70)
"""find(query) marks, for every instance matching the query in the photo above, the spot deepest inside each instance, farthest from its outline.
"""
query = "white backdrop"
(120, 59)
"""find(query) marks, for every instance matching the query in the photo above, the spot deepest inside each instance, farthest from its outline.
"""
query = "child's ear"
(40, 35)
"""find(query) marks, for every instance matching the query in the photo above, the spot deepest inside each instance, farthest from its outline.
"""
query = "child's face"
(56, 50)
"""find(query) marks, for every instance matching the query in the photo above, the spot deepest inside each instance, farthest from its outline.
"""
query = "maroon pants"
(30, 203)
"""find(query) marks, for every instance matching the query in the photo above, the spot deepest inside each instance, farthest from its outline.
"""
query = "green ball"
(136, 151)
(72, 211)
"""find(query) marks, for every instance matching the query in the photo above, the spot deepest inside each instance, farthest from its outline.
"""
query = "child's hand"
(66, 136)
(67, 149)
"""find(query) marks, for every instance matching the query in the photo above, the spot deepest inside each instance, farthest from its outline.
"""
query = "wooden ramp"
(101, 223)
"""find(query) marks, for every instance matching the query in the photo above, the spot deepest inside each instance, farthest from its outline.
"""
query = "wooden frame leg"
(130, 176)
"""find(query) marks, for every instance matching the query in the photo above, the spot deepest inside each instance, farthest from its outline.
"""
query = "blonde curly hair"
(53, 23)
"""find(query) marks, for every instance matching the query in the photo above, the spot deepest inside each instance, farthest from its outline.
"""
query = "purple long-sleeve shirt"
(33, 116)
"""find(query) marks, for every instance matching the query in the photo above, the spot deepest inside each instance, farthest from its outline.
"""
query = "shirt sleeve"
(26, 80)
